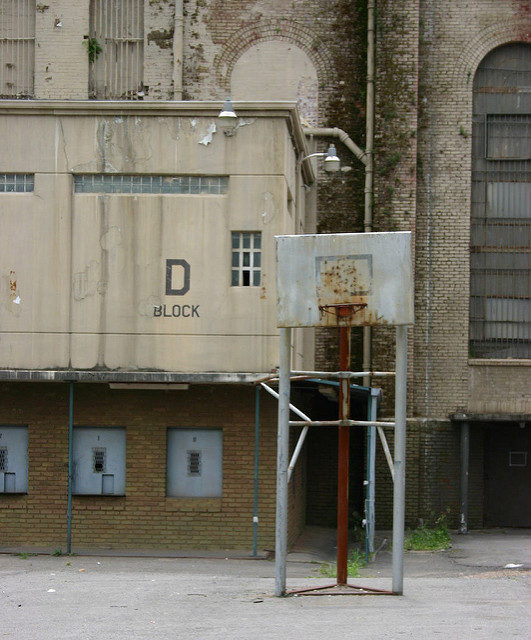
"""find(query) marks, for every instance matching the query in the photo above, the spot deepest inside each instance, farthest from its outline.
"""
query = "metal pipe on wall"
(369, 165)
(281, 526)
(178, 51)
(70, 467)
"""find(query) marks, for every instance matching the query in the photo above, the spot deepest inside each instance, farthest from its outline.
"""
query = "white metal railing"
(17, 48)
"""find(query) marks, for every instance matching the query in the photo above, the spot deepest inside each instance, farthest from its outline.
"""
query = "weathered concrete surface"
(114, 598)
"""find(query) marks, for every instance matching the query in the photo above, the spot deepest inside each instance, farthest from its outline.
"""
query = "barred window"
(246, 259)
(17, 48)
(500, 242)
(116, 49)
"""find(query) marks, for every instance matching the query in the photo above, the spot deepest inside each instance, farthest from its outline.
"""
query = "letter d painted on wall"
(171, 266)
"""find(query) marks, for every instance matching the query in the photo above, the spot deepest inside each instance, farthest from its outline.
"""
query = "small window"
(13, 459)
(99, 461)
(246, 260)
(16, 182)
(518, 458)
(194, 463)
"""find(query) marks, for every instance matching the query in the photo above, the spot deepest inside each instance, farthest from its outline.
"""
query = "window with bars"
(116, 49)
(17, 48)
(500, 235)
(246, 266)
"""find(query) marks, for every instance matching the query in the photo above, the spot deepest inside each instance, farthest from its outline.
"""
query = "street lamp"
(332, 164)
(227, 118)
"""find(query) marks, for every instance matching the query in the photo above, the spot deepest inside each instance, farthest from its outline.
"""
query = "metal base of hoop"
(340, 590)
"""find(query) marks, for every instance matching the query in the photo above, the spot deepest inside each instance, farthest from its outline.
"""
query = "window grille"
(116, 49)
(98, 459)
(500, 240)
(194, 463)
(17, 48)
(246, 259)
(3, 458)
(16, 182)
(105, 183)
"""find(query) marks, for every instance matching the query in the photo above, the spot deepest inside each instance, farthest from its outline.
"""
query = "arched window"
(500, 242)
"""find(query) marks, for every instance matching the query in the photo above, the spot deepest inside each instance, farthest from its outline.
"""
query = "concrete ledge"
(63, 375)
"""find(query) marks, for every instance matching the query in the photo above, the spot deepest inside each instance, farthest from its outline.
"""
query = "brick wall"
(61, 59)
(145, 517)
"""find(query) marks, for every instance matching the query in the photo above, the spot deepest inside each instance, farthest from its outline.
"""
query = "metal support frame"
(399, 486)
(343, 454)
(370, 515)
(463, 488)
(256, 459)
(281, 527)
(343, 424)
(303, 434)
(70, 467)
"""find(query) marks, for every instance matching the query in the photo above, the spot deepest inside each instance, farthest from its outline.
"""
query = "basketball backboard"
(344, 279)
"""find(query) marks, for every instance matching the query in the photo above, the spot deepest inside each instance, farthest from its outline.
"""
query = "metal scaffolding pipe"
(387, 452)
(302, 436)
(399, 487)
(281, 526)
(341, 374)
(341, 423)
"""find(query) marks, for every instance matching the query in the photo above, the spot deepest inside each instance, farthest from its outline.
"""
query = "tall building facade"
(137, 250)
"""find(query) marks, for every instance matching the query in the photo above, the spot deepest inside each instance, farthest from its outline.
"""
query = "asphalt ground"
(465, 592)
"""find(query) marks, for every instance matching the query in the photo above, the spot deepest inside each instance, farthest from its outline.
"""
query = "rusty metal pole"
(343, 458)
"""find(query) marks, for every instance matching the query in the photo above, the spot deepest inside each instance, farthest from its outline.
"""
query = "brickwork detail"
(145, 517)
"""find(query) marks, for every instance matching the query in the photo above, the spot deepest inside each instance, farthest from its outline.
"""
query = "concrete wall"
(90, 270)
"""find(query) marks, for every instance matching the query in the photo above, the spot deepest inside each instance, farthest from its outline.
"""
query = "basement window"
(246, 265)
(194, 463)
(13, 459)
(99, 461)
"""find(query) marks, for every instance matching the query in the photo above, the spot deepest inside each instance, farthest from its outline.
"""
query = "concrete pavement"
(452, 594)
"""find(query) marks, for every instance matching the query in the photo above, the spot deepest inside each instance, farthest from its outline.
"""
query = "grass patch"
(429, 537)
(355, 562)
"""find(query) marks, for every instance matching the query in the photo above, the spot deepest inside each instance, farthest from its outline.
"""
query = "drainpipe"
(178, 51)
(367, 157)
(335, 132)
(369, 166)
